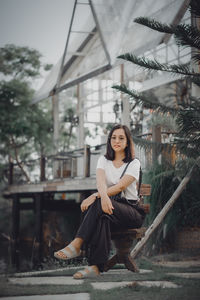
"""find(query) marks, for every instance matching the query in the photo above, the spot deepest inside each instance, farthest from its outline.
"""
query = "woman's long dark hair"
(129, 150)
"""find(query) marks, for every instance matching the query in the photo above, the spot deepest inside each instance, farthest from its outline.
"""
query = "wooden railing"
(68, 165)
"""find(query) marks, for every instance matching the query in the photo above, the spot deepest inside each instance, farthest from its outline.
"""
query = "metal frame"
(66, 46)
(64, 68)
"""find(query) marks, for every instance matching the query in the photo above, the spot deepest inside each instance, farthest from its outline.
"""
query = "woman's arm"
(124, 182)
(106, 203)
(88, 201)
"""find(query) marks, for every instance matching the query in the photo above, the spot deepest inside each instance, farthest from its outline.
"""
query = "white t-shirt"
(113, 175)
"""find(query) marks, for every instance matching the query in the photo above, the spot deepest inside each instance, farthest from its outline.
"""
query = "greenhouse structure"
(99, 32)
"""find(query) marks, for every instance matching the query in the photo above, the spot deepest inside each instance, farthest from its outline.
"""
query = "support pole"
(156, 138)
(164, 211)
(124, 101)
(55, 105)
(15, 231)
(42, 168)
(37, 254)
(87, 160)
(80, 112)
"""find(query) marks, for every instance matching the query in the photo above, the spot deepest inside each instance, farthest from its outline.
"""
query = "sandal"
(68, 254)
(87, 273)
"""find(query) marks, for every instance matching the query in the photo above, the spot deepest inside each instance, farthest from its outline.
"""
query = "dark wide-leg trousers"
(96, 228)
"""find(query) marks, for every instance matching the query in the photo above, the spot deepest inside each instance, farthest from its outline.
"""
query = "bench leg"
(123, 248)
(110, 263)
(130, 264)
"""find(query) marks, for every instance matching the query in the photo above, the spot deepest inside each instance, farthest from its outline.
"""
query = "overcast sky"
(39, 24)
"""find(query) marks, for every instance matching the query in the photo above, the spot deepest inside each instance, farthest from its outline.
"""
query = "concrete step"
(78, 296)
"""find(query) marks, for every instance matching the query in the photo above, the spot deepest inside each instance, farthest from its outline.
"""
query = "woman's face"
(118, 140)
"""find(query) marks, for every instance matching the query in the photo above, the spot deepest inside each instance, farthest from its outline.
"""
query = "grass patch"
(190, 288)
(142, 293)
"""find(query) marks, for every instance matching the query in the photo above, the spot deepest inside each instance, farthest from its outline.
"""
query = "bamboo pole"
(164, 211)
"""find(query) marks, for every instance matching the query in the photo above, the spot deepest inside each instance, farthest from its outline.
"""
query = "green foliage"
(145, 101)
(20, 62)
(189, 131)
(69, 121)
(187, 114)
(185, 212)
(25, 130)
(156, 65)
(165, 178)
(165, 121)
(48, 67)
(185, 35)
(15, 119)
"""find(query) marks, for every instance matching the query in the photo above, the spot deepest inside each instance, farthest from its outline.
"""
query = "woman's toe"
(77, 275)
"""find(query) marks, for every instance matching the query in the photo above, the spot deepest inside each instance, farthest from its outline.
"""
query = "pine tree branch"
(185, 35)
(147, 102)
(155, 65)
(188, 148)
(148, 145)
(194, 103)
(155, 25)
(142, 143)
(163, 174)
(196, 80)
(189, 123)
(196, 57)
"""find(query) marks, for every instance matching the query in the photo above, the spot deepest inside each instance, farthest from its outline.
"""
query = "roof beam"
(83, 78)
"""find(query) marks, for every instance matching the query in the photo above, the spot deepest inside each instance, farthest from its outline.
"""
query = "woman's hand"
(87, 202)
(106, 205)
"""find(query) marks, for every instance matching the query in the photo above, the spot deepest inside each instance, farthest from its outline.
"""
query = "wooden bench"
(123, 240)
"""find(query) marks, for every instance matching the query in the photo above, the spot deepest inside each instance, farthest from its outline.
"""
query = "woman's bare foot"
(87, 272)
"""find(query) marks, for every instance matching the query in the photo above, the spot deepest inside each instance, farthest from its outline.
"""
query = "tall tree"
(22, 125)
(187, 113)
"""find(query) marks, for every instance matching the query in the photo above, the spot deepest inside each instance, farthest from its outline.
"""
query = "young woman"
(102, 213)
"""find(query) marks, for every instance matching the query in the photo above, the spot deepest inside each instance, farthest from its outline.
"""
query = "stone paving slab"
(61, 280)
(79, 296)
(58, 280)
(24, 274)
(111, 285)
(186, 275)
(162, 284)
(125, 271)
(178, 264)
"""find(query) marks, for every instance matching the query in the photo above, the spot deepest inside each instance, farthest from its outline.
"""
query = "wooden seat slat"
(145, 189)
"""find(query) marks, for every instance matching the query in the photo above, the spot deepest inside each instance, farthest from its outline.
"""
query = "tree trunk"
(20, 166)
(164, 211)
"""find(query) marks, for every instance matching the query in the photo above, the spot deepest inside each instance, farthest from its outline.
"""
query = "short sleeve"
(101, 162)
(134, 169)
